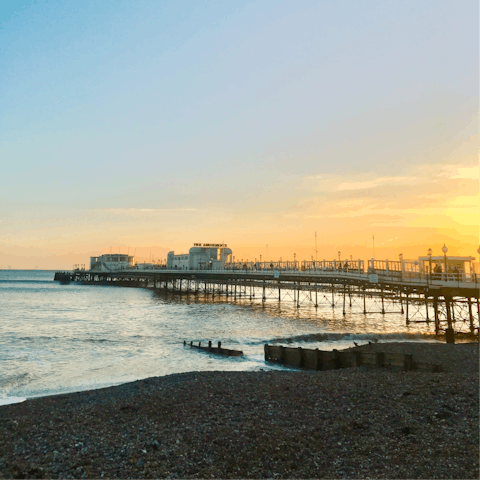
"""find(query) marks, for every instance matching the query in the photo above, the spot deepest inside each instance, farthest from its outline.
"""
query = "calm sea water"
(62, 338)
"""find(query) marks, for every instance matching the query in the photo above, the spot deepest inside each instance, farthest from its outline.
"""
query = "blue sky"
(165, 123)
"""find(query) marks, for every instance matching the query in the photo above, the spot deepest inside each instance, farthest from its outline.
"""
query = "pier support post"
(344, 311)
(470, 314)
(435, 313)
(426, 307)
(450, 336)
(407, 319)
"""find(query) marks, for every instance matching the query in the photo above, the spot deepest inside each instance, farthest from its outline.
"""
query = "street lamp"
(429, 253)
(339, 255)
(445, 250)
(478, 251)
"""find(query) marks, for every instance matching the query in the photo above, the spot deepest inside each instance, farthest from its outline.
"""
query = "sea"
(66, 338)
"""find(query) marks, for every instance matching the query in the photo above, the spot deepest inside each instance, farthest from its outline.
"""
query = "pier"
(450, 301)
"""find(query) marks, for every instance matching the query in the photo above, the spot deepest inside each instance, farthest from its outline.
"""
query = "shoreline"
(385, 344)
(348, 423)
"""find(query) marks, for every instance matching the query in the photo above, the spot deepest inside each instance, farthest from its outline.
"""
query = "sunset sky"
(146, 126)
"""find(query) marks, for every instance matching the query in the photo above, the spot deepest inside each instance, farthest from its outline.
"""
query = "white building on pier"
(206, 256)
(111, 262)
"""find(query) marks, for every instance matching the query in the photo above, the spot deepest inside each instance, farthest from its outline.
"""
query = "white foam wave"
(10, 400)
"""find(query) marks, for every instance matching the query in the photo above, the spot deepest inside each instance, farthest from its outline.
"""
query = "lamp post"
(429, 253)
(478, 251)
(294, 261)
(445, 250)
(339, 255)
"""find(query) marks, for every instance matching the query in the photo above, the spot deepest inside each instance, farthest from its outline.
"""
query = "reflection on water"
(58, 338)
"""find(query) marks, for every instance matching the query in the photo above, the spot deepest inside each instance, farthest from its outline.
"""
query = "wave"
(351, 336)
(14, 381)
(10, 400)
(36, 282)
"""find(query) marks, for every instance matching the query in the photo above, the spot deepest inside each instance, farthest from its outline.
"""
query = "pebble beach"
(348, 423)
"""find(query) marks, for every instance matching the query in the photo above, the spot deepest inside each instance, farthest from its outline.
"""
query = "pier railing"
(371, 271)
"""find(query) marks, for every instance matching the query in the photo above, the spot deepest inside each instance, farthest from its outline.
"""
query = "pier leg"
(449, 333)
(263, 296)
(298, 295)
(333, 296)
(426, 307)
(435, 313)
(344, 312)
(383, 305)
(407, 319)
(316, 299)
(470, 314)
(364, 302)
(401, 303)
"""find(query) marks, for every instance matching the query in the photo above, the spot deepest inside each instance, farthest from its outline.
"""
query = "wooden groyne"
(330, 360)
(216, 350)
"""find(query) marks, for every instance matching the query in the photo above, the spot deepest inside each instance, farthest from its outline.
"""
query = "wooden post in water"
(407, 319)
(435, 312)
(478, 310)
(426, 307)
(344, 311)
(470, 314)
(449, 334)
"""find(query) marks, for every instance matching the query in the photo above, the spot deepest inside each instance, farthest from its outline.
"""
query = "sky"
(146, 126)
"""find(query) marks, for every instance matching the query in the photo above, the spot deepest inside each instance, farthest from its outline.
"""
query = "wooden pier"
(450, 303)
